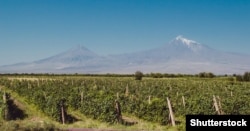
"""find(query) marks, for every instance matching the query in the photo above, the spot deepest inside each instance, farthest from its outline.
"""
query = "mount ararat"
(180, 55)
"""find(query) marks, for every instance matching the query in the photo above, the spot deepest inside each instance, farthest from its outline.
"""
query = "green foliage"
(2, 106)
(27, 126)
(146, 99)
(156, 75)
(245, 77)
(206, 75)
(8, 110)
(138, 75)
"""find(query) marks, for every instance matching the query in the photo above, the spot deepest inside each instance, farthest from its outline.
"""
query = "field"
(62, 102)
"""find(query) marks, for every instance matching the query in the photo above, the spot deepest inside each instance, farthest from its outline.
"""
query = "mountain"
(180, 55)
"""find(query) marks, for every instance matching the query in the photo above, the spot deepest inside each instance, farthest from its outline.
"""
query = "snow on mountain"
(193, 45)
(180, 55)
(185, 41)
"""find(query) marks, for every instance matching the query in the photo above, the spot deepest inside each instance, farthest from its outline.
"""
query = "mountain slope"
(73, 58)
(180, 55)
(77, 54)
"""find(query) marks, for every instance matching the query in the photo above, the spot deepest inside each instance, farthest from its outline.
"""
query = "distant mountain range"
(180, 55)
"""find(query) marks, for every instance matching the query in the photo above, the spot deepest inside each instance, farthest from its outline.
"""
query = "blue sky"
(35, 29)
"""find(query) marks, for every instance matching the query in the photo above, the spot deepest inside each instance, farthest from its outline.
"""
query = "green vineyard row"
(146, 99)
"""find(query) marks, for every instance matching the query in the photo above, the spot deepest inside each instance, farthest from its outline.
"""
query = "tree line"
(138, 75)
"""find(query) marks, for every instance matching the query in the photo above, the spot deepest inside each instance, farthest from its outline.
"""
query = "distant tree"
(138, 75)
(239, 78)
(206, 75)
(159, 75)
(202, 74)
(156, 75)
(172, 75)
(152, 74)
(246, 76)
(210, 75)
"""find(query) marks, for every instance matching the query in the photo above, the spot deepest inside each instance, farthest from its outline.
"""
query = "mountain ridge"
(180, 55)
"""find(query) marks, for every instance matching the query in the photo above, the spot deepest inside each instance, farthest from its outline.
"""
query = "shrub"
(138, 75)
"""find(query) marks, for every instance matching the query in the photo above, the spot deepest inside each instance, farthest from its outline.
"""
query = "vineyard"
(111, 99)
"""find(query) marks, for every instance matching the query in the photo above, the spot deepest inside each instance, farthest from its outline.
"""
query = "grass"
(20, 125)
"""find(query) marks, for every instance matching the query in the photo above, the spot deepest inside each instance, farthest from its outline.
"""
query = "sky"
(35, 29)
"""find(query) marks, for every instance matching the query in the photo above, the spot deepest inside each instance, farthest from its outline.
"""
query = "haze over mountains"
(180, 55)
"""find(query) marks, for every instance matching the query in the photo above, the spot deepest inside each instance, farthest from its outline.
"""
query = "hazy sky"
(35, 29)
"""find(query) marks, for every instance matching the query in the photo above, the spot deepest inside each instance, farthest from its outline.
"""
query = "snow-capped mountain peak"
(185, 40)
